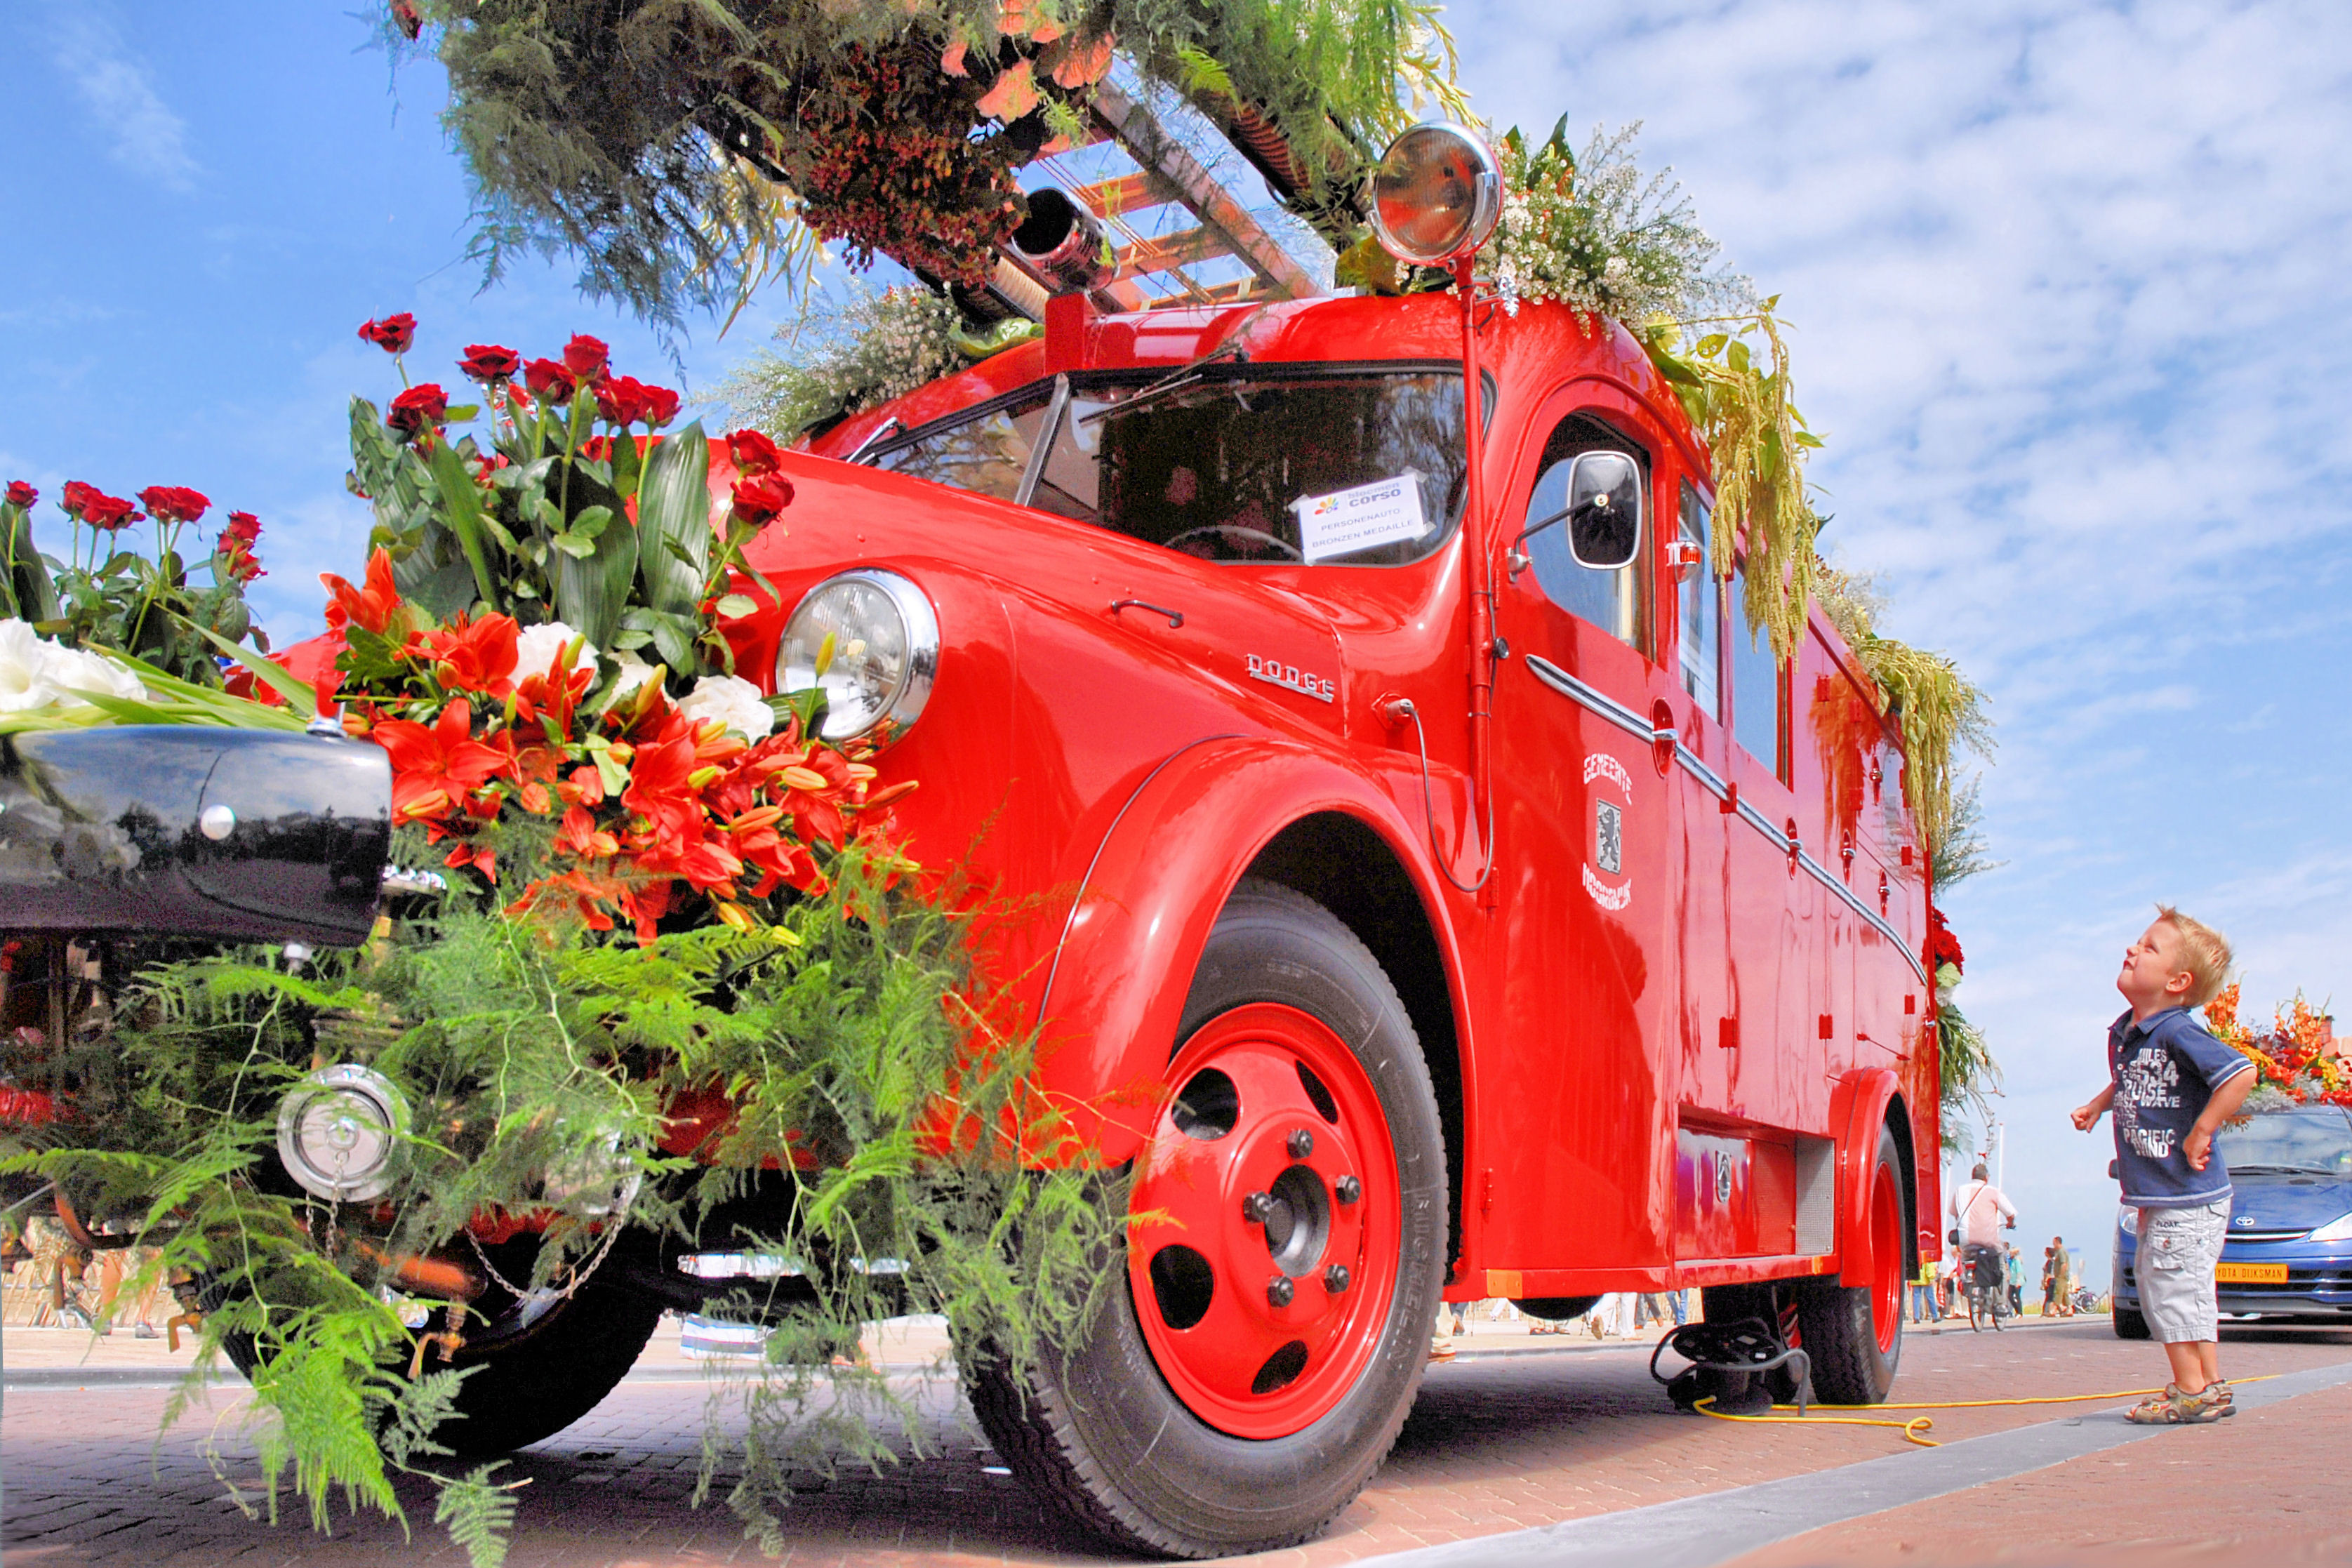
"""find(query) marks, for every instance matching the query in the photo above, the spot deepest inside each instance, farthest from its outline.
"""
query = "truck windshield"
(1257, 465)
(2312, 1140)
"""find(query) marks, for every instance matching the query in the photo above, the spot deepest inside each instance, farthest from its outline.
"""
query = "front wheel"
(1282, 1264)
(535, 1363)
(1854, 1334)
(2130, 1324)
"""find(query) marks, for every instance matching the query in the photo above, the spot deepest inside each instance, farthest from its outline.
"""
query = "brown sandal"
(2174, 1408)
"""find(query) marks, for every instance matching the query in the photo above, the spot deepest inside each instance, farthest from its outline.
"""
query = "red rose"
(597, 449)
(22, 494)
(407, 18)
(392, 334)
(547, 378)
(585, 357)
(488, 362)
(243, 527)
(625, 400)
(759, 499)
(753, 454)
(88, 503)
(421, 406)
(171, 504)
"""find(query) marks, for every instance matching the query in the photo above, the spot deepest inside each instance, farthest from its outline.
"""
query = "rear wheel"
(1854, 1334)
(1253, 1375)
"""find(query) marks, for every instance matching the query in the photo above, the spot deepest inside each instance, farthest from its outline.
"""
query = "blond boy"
(2171, 1086)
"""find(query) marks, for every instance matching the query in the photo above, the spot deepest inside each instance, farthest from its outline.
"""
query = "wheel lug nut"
(1346, 1189)
(1257, 1207)
(1278, 1290)
(1302, 1144)
(1334, 1278)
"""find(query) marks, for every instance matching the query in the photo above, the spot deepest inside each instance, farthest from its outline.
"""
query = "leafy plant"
(836, 362)
(677, 149)
(108, 595)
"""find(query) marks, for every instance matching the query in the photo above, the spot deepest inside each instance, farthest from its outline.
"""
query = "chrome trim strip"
(1633, 723)
(1584, 696)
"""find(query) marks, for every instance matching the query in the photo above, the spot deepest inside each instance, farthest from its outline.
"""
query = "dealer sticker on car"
(1346, 521)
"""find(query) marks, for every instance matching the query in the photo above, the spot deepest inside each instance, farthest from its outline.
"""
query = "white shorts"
(2179, 1250)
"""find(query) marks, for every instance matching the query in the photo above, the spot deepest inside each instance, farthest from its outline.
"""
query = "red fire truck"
(1341, 687)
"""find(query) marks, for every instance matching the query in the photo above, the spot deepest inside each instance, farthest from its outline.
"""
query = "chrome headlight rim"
(920, 624)
(363, 1093)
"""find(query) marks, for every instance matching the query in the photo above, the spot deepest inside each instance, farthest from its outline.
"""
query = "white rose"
(537, 647)
(25, 670)
(733, 702)
(634, 672)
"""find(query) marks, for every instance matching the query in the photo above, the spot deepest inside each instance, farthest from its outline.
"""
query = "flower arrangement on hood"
(652, 804)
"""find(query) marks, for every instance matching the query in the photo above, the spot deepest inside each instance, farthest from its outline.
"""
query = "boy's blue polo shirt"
(2164, 1072)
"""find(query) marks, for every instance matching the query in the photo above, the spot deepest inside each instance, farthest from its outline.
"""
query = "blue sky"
(2071, 288)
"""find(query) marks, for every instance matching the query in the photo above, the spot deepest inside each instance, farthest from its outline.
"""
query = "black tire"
(1100, 1434)
(2130, 1324)
(531, 1376)
(1854, 1361)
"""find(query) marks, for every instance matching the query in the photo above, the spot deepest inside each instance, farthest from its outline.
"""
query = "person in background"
(2016, 1281)
(1923, 1293)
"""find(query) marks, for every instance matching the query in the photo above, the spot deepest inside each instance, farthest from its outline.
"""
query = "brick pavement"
(1498, 1443)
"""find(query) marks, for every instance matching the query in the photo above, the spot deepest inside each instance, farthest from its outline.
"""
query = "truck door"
(1580, 1136)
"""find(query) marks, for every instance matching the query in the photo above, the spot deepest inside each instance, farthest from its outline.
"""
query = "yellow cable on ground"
(1910, 1429)
(1918, 1424)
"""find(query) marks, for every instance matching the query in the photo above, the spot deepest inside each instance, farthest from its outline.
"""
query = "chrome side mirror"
(1604, 514)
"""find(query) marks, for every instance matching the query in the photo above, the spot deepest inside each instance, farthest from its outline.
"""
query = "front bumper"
(2319, 1278)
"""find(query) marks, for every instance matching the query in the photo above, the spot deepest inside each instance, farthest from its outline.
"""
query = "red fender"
(1116, 989)
(1858, 1104)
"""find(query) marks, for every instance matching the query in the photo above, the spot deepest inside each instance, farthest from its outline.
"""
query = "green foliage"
(685, 152)
(875, 1114)
(1970, 1075)
(876, 347)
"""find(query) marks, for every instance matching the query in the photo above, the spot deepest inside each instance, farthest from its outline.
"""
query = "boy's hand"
(2087, 1117)
(2199, 1147)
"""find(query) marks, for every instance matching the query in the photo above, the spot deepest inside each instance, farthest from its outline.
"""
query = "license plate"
(2251, 1274)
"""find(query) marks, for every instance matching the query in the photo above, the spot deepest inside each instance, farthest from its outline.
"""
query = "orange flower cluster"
(654, 809)
(2297, 1054)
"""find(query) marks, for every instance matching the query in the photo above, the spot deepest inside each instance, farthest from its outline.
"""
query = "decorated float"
(1265, 744)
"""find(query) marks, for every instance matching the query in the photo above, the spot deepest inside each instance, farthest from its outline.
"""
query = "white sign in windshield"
(1347, 521)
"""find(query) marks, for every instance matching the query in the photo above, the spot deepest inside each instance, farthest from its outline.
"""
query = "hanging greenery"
(677, 149)
(836, 362)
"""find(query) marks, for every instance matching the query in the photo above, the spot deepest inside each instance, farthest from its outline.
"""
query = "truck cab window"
(1615, 601)
(1701, 605)
(1759, 696)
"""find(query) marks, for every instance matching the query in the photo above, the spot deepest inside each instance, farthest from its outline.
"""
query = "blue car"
(2289, 1253)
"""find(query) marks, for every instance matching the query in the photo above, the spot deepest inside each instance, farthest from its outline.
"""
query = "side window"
(1617, 600)
(1701, 595)
(1759, 696)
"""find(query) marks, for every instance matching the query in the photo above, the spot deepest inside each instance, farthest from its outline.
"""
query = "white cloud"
(2069, 286)
(146, 136)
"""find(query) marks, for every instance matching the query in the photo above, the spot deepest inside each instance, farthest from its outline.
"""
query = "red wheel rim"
(1232, 1211)
(1886, 1246)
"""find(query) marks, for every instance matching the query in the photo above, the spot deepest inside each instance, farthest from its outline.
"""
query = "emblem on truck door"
(1274, 672)
(1608, 833)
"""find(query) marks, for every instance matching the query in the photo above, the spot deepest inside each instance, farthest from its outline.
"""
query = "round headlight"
(1436, 195)
(866, 640)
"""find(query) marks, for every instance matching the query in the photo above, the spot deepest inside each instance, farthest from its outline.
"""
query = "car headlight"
(2334, 1230)
(868, 640)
